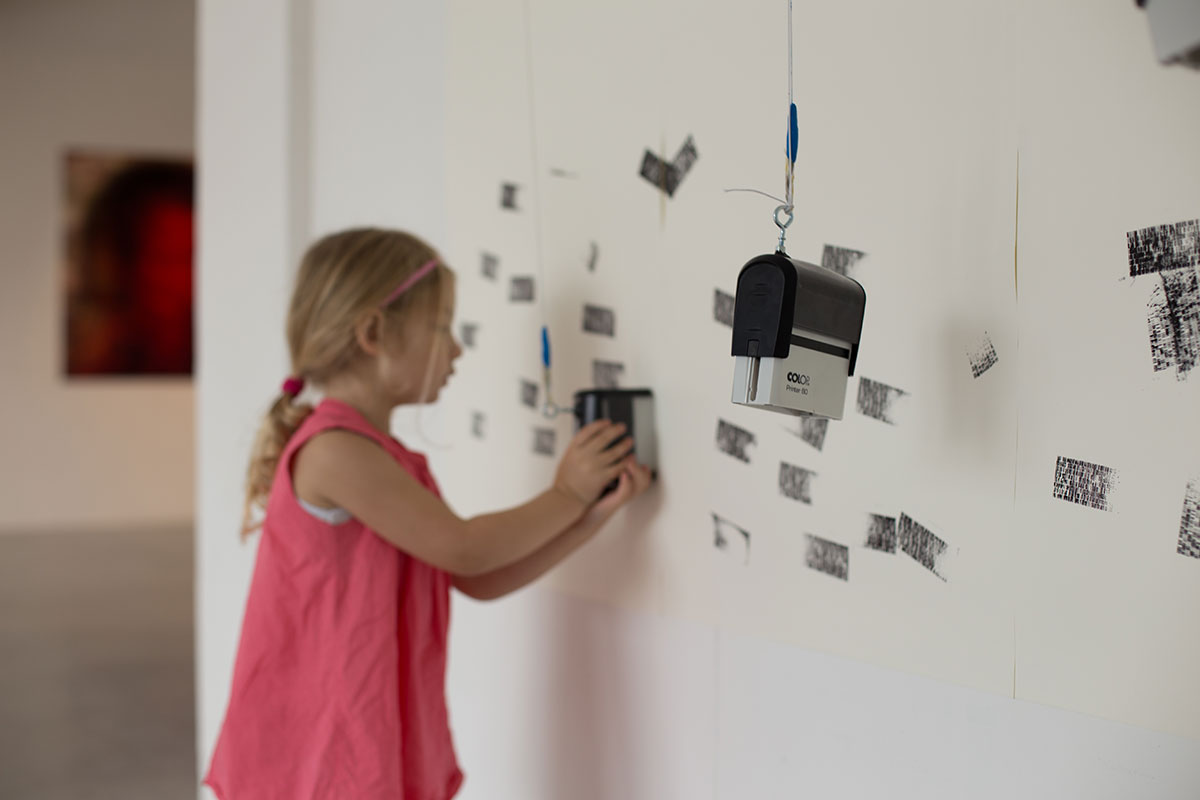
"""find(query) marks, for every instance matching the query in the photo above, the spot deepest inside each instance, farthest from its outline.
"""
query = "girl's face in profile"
(425, 361)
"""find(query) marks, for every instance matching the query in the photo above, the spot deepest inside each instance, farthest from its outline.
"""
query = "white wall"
(113, 75)
(314, 117)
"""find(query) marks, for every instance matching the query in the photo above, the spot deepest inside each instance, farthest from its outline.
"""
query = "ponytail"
(277, 427)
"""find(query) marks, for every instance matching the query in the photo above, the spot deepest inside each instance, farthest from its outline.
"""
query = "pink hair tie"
(421, 272)
(293, 386)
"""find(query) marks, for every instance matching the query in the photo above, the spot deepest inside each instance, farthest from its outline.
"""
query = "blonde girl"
(339, 685)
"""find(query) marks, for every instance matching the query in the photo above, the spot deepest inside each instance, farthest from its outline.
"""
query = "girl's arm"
(497, 583)
(342, 469)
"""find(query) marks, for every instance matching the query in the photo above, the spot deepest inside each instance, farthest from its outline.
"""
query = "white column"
(253, 187)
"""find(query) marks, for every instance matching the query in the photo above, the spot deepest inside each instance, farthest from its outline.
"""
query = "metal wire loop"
(790, 216)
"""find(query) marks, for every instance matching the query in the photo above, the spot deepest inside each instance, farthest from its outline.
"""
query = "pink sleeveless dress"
(339, 686)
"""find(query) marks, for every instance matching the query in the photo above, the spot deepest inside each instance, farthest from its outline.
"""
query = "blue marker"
(793, 134)
(546, 362)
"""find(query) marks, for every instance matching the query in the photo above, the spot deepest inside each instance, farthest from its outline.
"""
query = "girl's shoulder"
(334, 415)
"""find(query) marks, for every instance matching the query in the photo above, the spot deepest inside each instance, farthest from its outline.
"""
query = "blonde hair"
(342, 277)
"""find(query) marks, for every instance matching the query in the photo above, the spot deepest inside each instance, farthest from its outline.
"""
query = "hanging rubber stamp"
(796, 326)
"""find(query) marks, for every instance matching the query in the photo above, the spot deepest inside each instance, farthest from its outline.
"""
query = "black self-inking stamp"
(634, 408)
(796, 329)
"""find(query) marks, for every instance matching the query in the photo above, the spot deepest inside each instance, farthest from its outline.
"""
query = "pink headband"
(421, 272)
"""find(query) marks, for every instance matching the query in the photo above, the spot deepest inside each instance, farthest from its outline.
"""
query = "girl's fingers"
(644, 478)
(618, 451)
(614, 471)
(602, 440)
(589, 431)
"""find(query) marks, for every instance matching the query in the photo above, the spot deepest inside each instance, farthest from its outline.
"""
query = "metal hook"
(790, 216)
(783, 226)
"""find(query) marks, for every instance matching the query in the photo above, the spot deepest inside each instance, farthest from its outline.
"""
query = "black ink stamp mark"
(667, 177)
(840, 259)
(828, 557)
(686, 157)
(983, 356)
(521, 290)
(922, 544)
(607, 374)
(1083, 482)
(478, 425)
(659, 173)
(490, 266)
(468, 332)
(1162, 336)
(796, 482)
(723, 307)
(599, 320)
(543, 441)
(733, 440)
(529, 393)
(559, 172)
(1189, 523)
(1164, 247)
(812, 430)
(508, 196)
(881, 533)
(723, 529)
(1173, 313)
(593, 256)
(878, 400)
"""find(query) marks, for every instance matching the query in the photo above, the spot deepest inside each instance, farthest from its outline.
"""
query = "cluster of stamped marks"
(668, 175)
(522, 289)
(888, 534)
(1170, 255)
(1189, 523)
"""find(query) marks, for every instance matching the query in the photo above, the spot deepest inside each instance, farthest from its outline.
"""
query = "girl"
(338, 690)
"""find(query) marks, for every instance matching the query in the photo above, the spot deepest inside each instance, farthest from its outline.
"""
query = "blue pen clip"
(793, 134)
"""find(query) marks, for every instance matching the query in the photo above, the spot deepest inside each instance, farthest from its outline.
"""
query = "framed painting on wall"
(129, 222)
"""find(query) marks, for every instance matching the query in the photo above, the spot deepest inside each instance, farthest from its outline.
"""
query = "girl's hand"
(592, 461)
(635, 479)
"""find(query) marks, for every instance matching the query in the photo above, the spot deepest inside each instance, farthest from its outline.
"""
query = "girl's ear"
(368, 332)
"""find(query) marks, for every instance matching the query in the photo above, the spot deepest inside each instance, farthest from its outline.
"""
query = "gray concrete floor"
(96, 669)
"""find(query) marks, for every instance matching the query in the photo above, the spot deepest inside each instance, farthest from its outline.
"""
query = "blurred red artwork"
(129, 265)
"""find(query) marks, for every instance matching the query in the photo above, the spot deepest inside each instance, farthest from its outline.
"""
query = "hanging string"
(786, 206)
(789, 169)
(549, 408)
